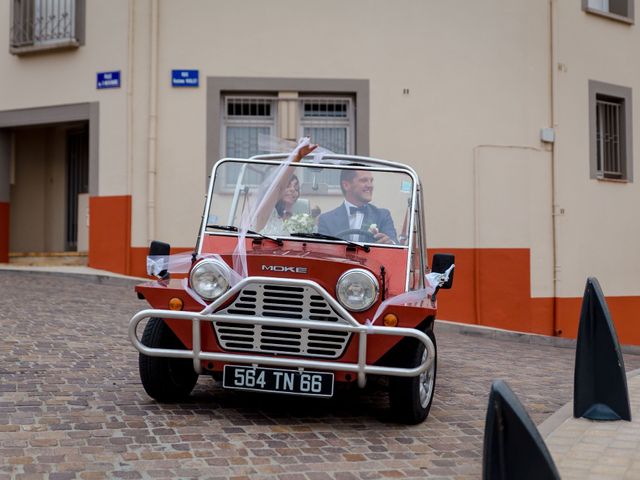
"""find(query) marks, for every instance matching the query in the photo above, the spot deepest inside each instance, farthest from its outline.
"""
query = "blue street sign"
(108, 80)
(185, 78)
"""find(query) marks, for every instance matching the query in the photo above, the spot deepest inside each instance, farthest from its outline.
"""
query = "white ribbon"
(264, 193)
(432, 280)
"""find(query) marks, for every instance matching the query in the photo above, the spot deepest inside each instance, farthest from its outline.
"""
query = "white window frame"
(278, 108)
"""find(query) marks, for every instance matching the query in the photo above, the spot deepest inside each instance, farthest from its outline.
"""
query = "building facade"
(520, 117)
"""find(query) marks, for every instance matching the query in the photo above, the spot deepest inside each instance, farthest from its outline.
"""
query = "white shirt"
(355, 220)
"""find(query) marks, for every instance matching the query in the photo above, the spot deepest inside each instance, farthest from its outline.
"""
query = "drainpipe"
(153, 121)
(552, 114)
(130, 65)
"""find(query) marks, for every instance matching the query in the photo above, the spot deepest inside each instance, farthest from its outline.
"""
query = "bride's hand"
(304, 151)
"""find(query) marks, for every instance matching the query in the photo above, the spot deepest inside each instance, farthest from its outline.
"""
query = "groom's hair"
(349, 175)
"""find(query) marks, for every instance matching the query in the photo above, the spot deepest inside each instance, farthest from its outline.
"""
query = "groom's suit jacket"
(337, 220)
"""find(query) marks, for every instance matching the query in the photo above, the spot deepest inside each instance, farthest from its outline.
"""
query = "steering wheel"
(366, 234)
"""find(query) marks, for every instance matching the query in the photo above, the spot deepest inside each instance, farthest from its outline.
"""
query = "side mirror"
(441, 263)
(158, 260)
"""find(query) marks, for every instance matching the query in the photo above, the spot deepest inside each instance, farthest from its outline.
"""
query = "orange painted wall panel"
(624, 313)
(4, 232)
(110, 233)
(492, 287)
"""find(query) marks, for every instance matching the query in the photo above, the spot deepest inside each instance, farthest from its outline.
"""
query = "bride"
(282, 211)
(276, 208)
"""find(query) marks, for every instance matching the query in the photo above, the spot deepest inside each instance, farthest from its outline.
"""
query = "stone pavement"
(72, 406)
(585, 449)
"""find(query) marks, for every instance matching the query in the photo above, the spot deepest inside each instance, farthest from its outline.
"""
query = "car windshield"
(348, 202)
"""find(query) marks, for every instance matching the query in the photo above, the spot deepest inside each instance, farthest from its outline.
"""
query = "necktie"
(354, 210)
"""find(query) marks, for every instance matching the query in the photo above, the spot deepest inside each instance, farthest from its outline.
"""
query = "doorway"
(77, 188)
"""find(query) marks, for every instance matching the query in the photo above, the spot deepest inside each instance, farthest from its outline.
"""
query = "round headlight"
(357, 289)
(210, 279)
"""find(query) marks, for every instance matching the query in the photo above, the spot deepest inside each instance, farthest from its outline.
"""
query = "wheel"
(366, 234)
(411, 397)
(165, 379)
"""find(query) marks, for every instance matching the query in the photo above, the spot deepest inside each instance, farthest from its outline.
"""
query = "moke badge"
(282, 268)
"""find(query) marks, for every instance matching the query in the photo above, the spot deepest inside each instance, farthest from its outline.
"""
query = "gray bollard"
(600, 382)
(513, 447)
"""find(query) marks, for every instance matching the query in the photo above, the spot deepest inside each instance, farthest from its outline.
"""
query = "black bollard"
(600, 382)
(513, 447)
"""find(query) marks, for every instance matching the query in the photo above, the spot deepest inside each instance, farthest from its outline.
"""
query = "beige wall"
(468, 86)
(599, 231)
(66, 77)
(483, 78)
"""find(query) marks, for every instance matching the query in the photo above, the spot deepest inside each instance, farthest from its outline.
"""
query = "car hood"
(322, 268)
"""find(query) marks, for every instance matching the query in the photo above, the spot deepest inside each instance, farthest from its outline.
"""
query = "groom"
(357, 212)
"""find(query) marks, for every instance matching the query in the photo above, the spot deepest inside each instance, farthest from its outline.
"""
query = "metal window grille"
(609, 137)
(42, 22)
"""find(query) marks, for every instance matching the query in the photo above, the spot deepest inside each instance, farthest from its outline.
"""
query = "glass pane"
(331, 138)
(334, 139)
(242, 142)
(602, 5)
(383, 200)
(54, 20)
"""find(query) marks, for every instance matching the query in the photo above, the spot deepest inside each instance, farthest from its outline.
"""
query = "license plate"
(295, 382)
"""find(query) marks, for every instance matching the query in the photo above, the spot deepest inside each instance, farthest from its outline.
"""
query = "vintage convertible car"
(304, 308)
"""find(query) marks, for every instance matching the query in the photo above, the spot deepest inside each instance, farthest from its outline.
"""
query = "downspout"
(153, 123)
(552, 113)
(130, 65)
(129, 96)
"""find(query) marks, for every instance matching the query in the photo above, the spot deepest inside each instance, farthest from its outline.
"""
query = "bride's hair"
(280, 203)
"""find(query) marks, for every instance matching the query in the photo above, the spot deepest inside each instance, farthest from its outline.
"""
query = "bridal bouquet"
(300, 223)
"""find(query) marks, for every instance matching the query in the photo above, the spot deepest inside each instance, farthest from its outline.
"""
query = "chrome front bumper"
(350, 325)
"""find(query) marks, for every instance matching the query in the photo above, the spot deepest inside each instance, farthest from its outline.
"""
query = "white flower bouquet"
(300, 223)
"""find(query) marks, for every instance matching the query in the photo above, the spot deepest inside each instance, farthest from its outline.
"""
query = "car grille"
(287, 303)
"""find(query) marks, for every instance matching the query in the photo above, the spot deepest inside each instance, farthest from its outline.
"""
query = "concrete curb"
(531, 338)
(565, 413)
(101, 277)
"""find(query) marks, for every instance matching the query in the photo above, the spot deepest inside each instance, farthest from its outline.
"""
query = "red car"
(302, 277)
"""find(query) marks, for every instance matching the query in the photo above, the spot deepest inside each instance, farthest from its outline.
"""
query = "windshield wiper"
(322, 236)
(233, 228)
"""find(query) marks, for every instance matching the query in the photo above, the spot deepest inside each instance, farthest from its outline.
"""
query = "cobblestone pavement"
(586, 449)
(71, 403)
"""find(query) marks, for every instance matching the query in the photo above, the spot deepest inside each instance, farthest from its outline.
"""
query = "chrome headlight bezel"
(352, 276)
(221, 273)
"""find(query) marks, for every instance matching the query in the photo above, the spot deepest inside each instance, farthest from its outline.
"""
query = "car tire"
(165, 379)
(411, 397)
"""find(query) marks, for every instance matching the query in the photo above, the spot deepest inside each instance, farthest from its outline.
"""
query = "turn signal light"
(176, 304)
(390, 320)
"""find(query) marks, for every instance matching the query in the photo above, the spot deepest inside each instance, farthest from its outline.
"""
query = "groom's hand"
(383, 238)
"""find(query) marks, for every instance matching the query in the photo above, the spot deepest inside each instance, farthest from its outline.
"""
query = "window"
(247, 122)
(621, 10)
(610, 131)
(251, 125)
(289, 117)
(46, 24)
